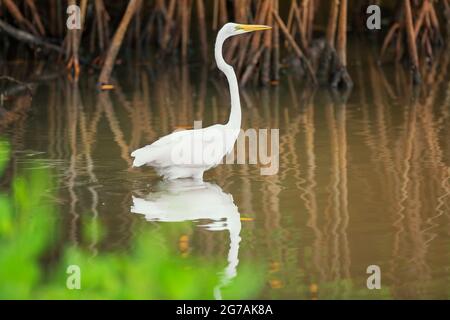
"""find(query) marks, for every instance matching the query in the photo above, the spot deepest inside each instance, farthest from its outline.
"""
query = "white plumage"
(206, 201)
(189, 153)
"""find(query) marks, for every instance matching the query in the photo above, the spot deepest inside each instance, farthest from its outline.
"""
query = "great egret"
(189, 153)
(207, 201)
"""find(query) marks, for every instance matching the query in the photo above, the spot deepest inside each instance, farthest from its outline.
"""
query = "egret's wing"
(170, 138)
(159, 148)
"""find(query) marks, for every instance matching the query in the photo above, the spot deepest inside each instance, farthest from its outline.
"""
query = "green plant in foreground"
(26, 227)
(150, 271)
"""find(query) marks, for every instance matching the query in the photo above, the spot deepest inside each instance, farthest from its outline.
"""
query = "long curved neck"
(234, 121)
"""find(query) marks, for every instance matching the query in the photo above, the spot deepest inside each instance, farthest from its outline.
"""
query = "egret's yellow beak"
(252, 27)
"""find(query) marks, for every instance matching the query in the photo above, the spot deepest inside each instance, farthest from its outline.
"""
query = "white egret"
(189, 153)
(207, 201)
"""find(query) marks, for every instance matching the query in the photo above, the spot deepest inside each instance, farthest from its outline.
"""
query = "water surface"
(362, 181)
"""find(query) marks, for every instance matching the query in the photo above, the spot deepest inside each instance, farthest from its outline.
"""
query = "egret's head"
(233, 29)
(228, 30)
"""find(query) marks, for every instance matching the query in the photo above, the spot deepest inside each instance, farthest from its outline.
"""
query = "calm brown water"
(361, 182)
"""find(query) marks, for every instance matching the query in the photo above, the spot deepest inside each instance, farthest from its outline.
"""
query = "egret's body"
(189, 153)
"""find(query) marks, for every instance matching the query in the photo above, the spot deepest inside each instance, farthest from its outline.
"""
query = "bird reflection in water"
(206, 201)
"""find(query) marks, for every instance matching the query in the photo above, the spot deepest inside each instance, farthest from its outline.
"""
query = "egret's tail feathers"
(142, 156)
(137, 163)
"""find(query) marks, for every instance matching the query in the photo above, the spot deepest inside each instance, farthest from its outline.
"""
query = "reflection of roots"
(115, 126)
(309, 195)
(72, 133)
(331, 248)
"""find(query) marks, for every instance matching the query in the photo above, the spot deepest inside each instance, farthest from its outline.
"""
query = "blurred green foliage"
(26, 228)
(151, 269)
